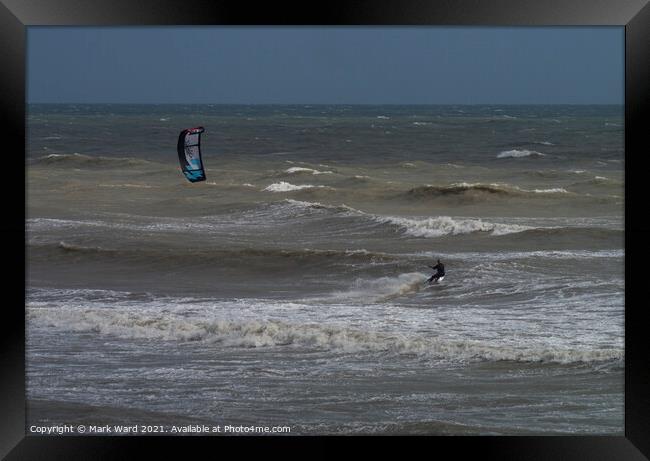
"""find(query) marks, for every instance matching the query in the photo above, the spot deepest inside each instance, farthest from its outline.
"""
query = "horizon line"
(337, 103)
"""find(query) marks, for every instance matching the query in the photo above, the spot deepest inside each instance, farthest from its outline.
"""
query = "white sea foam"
(260, 332)
(342, 208)
(510, 255)
(383, 288)
(519, 153)
(445, 225)
(554, 190)
(283, 186)
(298, 169)
(303, 204)
(167, 225)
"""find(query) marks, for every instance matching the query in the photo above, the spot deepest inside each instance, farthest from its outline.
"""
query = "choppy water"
(288, 288)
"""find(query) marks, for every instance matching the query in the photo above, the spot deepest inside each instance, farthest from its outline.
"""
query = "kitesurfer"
(440, 272)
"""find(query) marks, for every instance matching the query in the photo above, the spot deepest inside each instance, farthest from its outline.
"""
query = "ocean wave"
(547, 174)
(552, 190)
(513, 255)
(296, 211)
(229, 185)
(81, 160)
(359, 179)
(445, 225)
(599, 181)
(381, 289)
(72, 247)
(440, 226)
(519, 153)
(132, 186)
(303, 205)
(577, 233)
(178, 258)
(457, 189)
(477, 190)
(299, 170)
(265, 214)
(283, 186)
(259, 333)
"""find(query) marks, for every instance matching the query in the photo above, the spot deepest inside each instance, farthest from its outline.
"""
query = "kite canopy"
(189, 154)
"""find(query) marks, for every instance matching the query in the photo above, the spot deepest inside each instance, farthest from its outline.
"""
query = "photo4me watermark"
(146, 429)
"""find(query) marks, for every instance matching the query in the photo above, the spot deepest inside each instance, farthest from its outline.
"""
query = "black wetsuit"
(440, 272)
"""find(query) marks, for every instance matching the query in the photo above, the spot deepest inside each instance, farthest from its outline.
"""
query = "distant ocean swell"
(81, 160)
(335, 185)
(477, 190)
(185, 257)
(451, 194)
(332, 218)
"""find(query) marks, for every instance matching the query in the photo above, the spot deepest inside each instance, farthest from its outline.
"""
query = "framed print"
(387, 219)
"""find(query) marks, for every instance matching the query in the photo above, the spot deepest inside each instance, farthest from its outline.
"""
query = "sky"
(326, 65)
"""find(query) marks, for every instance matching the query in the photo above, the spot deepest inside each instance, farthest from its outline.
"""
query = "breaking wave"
(298, 213)
(445, 225)
(258, 333)
(288, 187)
(519, 153)
(299, 170)
(382, 288)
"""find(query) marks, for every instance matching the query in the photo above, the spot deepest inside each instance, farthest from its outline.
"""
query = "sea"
(289, 288)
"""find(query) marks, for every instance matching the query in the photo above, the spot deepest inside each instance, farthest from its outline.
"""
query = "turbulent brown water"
(288, 287)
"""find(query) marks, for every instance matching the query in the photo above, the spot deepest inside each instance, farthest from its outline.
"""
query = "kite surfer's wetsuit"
(440, 272)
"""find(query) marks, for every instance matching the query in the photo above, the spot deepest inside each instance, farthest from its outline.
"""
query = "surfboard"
(435, 282)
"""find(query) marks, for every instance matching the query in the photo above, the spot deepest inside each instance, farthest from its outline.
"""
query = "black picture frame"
(633, 15)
